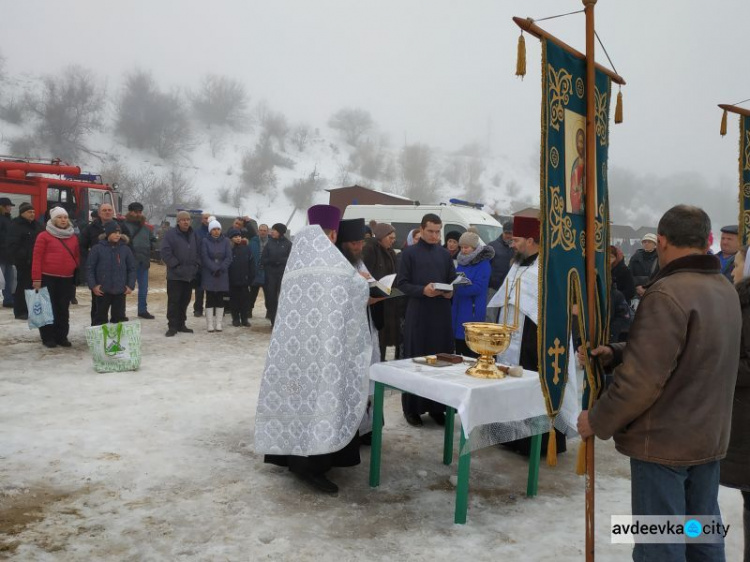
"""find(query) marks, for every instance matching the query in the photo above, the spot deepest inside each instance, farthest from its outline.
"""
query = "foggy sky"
(437, 71)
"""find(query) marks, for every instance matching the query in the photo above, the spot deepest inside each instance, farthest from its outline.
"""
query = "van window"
(402, 231)
(488, 232)
(448, 227)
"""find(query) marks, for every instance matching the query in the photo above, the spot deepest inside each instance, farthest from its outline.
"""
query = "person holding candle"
(518, 301)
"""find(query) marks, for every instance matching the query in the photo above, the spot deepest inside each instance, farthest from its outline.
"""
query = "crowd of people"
(679, 349)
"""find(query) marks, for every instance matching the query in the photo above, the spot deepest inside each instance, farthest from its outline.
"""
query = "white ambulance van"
(406, 217)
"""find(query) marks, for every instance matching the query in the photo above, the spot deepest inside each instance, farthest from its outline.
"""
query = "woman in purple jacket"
(216, 255)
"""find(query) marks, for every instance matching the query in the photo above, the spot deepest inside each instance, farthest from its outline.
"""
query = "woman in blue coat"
(470, 301)
(216, 255)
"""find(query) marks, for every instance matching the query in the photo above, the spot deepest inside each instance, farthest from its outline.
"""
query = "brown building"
(342, 197)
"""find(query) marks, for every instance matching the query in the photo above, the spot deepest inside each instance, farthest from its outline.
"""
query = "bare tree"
(68, 108)
(369, 158)
(275, 126)
(153, 120)
(352, 123)
(221, 101)
(302, 190)
(25, 147)
(415, 161)
(12, 112)
(301, 136)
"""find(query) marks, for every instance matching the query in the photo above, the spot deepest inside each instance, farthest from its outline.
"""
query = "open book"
(380, 288)
(460, 279)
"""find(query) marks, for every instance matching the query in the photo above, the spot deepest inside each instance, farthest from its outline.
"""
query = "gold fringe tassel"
(723, 129)
(552, 448)
(581, 460)
(618, 108)
(521, 59)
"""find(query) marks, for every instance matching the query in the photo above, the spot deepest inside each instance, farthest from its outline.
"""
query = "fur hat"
(382, 229)
(110, 227)
(214, 224)
(280, 228)
(469, 239)
(57, 212)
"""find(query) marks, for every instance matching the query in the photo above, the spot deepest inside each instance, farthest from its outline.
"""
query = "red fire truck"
(51, 183)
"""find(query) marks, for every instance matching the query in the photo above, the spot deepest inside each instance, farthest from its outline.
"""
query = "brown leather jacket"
(671, 398)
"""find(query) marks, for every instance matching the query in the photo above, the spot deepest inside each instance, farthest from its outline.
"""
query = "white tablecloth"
(483, 402)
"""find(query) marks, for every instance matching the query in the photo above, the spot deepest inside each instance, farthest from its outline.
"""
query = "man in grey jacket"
(181, 253)
(669, 405)
(142, 241)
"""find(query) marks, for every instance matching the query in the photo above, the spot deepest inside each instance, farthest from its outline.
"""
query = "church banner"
(562, 277)
(744, 179)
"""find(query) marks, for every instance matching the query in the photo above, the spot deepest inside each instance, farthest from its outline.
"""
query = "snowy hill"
(213, 166)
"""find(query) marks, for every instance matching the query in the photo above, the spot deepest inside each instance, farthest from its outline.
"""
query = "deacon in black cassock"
(427, 330)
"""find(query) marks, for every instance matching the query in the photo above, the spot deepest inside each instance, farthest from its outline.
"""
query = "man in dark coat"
(142, 242)
(202, 233)
(500, 265)
(273, 259)
(23, 232)
(644, 265)
(729, 246)
(427, 329)
(180, 251)
(6, 264)
(241, 275)
(621, 275)
(90, 237)
(257, 245)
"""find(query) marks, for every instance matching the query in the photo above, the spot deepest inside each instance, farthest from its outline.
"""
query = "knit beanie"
(57, 212)
(382, 230)
(214, 224)
(110, 227)
(25, 207)
(469, 239)
(232, 232)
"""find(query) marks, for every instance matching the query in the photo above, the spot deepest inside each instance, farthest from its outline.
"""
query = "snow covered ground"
(159, 465)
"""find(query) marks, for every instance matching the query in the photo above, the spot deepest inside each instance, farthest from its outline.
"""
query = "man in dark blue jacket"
(202, 233)
(180, 252)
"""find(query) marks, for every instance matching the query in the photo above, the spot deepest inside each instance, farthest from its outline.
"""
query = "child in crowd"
(241, 275)
(110, 273)
(216, 256)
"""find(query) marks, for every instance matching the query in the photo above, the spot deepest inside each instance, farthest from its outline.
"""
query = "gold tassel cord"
(552, 448)
(723, 129)
(618, 108)
(581, 459)
(521, 59)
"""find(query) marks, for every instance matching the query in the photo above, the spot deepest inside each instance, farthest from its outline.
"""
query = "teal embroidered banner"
(562, 279)
(744, 179)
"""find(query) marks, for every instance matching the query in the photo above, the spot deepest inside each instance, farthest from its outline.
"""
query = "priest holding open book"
(428, 329)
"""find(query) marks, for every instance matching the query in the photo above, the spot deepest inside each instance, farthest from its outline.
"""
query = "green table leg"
(462, 487)
(377, 435)
(534, 455)
(450, 414)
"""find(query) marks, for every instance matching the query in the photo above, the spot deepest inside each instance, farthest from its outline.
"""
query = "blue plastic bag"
(40, 308)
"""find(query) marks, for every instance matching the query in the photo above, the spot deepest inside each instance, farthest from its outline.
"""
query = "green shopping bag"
(115, 347)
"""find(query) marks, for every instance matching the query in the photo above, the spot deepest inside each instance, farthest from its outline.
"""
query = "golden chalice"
(487, 339)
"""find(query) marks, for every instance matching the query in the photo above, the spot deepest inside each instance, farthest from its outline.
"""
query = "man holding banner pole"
(669, 405)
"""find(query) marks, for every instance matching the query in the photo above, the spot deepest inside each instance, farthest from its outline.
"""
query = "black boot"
(235, 319)
(244, 321)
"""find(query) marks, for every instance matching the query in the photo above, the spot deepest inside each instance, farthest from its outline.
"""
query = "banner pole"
(590, 171)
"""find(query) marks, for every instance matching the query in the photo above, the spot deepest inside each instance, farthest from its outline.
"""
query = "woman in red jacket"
(56, 257)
